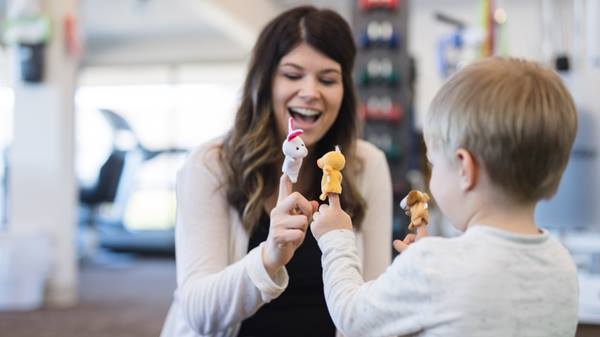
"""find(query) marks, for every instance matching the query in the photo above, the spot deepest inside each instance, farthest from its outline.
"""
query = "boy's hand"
(401, 245)
(330, 217)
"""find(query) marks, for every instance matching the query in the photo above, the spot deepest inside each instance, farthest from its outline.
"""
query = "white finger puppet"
(294, 151)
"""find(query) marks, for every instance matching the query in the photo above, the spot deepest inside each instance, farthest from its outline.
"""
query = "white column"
(42, 179)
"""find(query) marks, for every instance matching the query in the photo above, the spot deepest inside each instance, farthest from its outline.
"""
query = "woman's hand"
(289, 222)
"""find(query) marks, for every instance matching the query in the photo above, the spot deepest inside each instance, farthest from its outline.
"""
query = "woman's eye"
(293, 76)
(328, 81)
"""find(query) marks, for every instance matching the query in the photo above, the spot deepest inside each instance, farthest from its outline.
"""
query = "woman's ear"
(468, 169)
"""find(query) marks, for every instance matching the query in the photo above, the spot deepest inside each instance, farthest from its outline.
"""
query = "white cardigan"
(219, 283)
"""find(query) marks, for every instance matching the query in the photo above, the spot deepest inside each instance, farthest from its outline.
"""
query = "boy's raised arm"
(392, 304)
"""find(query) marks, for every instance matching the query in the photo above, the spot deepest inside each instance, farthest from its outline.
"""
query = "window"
(7, 100)
(161, 117)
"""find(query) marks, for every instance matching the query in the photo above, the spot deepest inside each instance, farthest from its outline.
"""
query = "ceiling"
(125, 32)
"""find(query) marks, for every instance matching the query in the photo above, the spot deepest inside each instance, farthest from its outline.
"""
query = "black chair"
(105, 188)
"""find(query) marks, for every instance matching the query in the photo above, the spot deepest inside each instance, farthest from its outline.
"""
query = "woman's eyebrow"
(330, 70)
(326, 70)
(288, 64)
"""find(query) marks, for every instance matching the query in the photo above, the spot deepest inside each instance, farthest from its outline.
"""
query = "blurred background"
(101, 100)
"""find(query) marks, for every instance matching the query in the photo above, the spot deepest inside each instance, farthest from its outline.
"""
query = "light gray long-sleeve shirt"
(487, 282)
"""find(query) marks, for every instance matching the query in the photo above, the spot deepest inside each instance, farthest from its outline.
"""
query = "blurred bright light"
(161, 116)
(500, 16)
(7, 102)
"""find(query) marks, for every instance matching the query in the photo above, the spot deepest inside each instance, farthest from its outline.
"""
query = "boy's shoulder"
(437, 243)
(486, 243)
(433, 247)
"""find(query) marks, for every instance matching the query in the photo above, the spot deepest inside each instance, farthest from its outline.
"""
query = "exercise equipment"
(104, 203)
(381, 108)
(379, 34)
(368, 5)
(379, 72)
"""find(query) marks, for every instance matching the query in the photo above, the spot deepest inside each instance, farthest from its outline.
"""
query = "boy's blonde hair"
(514, 116)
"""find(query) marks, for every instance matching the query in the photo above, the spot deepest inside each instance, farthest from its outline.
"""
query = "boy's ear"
(468, 169)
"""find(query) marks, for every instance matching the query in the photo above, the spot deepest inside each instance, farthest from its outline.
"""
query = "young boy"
(498, 134)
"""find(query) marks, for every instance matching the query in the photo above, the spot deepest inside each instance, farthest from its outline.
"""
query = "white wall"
(523, 31)
(537, 30)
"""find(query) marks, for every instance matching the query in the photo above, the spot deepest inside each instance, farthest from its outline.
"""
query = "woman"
(246, 264)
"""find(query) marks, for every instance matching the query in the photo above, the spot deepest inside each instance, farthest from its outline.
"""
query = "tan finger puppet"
(294, 150)
(415, 205)
(331, 164)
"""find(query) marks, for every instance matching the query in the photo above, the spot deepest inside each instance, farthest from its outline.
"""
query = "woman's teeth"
(305, 112)
(305, 115)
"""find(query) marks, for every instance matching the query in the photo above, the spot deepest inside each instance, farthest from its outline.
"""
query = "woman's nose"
(309, 89)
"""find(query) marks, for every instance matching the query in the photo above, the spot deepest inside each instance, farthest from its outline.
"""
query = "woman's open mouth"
(304, 117)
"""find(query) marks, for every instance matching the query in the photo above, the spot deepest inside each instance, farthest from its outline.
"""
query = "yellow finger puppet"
(331, 164)
(415, 205)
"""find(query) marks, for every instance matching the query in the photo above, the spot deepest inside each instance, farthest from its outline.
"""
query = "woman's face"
(307, 86)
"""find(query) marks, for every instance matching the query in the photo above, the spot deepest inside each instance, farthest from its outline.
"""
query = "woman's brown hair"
(251, 152)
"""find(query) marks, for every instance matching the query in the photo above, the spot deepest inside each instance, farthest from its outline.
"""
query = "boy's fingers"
(315, 208)
(399, 246)
(334, 200)
(285, 187)
(409, 238)
(421, 232)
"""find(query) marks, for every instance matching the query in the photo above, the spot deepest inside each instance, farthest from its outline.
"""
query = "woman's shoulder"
(205, 156)
(369, 153)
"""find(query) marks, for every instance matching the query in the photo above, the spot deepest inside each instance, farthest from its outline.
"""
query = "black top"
(300, 310)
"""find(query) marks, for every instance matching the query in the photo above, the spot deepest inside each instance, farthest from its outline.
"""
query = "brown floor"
(588, 331)
(127, 300)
